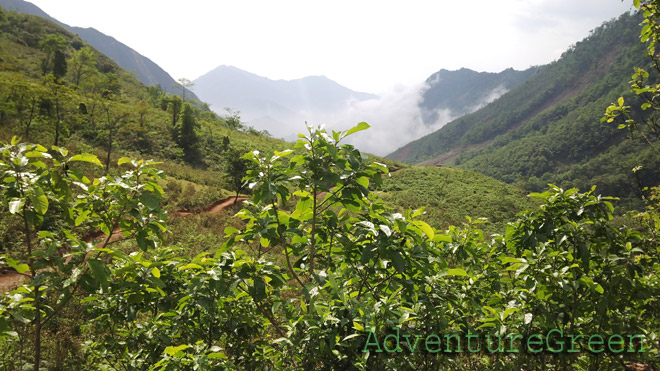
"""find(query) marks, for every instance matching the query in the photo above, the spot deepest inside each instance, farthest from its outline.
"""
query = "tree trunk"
(107, 159)
(57, 122)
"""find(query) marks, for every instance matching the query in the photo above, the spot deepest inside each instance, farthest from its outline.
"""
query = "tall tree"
(236, 167)
(52, 44)
(115, 115)
(187, 138)
(173, 106)
(233, 119)
(185, 84)
(59, 94)
(82, 62)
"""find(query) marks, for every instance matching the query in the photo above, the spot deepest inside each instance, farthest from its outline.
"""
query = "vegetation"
(440, 189)
(548, 130)
(316, 271)
(56, 89)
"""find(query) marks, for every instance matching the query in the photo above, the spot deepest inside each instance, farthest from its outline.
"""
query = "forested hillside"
(130, 60)
(58, 90)
(548, 129)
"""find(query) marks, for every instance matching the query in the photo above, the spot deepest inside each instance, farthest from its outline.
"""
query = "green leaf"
(15, 205)
(20, 268)
(150, 200)
(156, 272)
(98, 270)
(425, 228)
(174, 350)
(86, 157)
(123, 160)
(230, 231)
(359, 127)
(259, 289)
(358, 326)
(216, 355)
(508, 312)
(456, 272)
(397, 261)
(283, 153)
(380, 166)
(40, 201)
(190, 266)
(363, 181)
(599, 289)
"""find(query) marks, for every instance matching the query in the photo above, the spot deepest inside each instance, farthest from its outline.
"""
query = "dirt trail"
(10, 279)
(214, 208)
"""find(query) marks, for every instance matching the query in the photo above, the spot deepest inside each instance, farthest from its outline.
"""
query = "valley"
(148, 227)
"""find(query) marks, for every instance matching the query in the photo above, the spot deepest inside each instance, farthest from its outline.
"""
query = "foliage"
(187, 137)
(317, 272)
(354, 268)
(98, 104)
(449, 195)
(53, 200)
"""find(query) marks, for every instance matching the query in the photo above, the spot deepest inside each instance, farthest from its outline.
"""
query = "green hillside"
(56, 89)
(449, 195)
(548, 130)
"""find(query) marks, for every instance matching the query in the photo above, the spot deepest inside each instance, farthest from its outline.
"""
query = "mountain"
(464, 91)
(148, 72)
(279, 106)
(548, 129)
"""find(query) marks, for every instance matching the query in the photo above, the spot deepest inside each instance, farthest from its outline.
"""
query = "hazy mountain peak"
(279, 106)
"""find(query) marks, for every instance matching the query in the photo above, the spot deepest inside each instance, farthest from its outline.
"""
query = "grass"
(448, 195)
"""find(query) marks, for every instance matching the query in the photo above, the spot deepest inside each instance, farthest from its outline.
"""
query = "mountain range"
(279, 106)
(547, 129)
(148, 72)
(464, 91)
(530, 127)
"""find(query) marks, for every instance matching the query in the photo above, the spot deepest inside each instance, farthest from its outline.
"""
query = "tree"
(236, 168)
(60, 95)
(39, 186)
(173, 105)
(644, 120)
(115, 115)
(59, 64)
(185, 84)
(233, 119)
(187, 137)
(83, 61)
(53, 45)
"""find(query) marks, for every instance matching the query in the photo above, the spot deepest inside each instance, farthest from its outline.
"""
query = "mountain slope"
(464, 91)
(548, 128)
(148, 72)
(268, 104)
(448, 195)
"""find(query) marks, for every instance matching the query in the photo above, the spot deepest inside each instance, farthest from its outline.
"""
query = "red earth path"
(10, 279)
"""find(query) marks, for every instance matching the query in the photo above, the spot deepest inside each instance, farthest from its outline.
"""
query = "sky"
(365, 45)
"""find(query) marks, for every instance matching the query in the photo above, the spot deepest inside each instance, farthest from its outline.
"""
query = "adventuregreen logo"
(554, 341)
